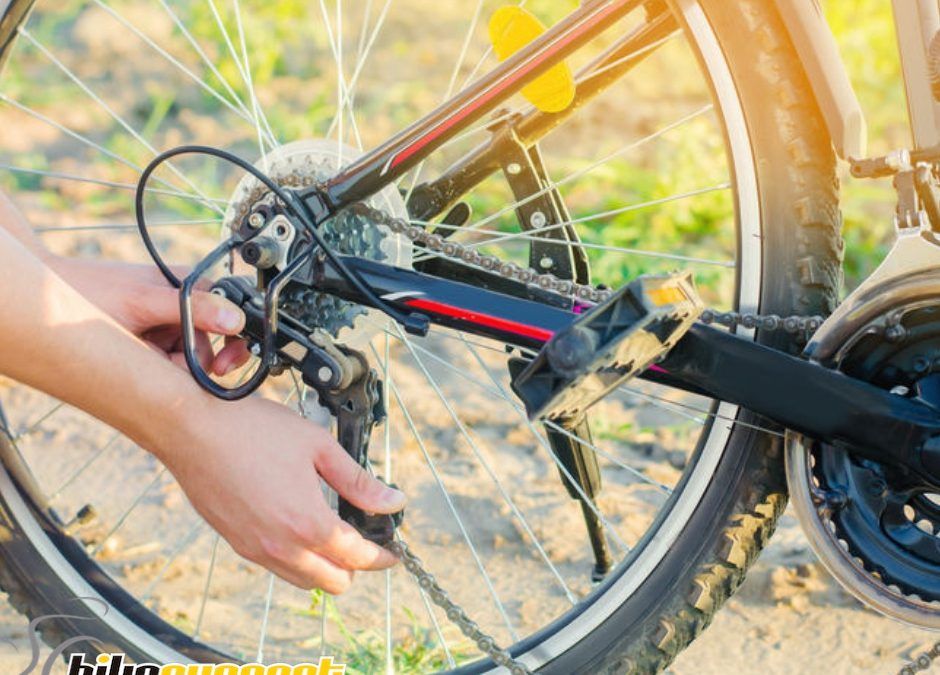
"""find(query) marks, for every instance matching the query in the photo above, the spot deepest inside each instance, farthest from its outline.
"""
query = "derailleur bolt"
(877, 486)
(895, 333)
(256, 221)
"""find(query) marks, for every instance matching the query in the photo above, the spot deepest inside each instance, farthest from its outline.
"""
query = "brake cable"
(414, 323)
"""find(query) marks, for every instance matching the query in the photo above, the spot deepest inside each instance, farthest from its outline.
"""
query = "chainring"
(876, 527)
(303, 164)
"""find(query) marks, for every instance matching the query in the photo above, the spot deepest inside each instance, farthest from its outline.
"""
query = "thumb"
(355, 484)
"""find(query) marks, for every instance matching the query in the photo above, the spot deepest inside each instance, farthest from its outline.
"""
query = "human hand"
(252, 469)
(140, 299)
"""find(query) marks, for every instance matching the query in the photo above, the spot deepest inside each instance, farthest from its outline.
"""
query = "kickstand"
(580, 461)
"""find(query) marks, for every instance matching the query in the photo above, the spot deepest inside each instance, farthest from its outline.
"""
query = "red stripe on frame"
(489, 95)
(482, 319)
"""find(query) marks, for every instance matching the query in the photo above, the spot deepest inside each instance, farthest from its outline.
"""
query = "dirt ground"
(789, 617)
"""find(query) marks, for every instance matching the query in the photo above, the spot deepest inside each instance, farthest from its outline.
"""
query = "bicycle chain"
(455, 613)
(769, 322)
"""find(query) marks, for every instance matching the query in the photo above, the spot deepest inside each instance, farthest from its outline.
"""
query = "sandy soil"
(789, 617)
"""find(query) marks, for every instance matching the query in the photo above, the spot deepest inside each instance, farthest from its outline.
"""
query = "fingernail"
(230, 319)
(393, 498)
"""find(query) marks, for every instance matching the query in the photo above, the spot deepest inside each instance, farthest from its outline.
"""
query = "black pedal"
(607, 346)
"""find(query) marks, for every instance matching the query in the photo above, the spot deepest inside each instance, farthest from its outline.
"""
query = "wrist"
(174, 410)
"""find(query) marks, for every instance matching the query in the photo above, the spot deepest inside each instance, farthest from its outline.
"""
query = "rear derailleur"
(344, 382)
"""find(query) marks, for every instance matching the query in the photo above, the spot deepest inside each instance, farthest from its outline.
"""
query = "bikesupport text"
(113, 664)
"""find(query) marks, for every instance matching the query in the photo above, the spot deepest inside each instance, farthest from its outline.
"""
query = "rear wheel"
(488, 498)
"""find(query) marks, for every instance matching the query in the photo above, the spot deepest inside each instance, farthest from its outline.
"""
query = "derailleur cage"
(345, 384)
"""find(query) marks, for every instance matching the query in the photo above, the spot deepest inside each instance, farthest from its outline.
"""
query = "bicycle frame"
(810, 399)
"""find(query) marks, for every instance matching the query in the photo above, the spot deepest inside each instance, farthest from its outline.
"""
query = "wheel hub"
(303, 164)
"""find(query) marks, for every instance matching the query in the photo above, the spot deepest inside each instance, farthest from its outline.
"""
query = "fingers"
(345, 547)
(214, 314)
(355, 484)
(304, 569)
(233, 355)
(318, 552)
(211, 313)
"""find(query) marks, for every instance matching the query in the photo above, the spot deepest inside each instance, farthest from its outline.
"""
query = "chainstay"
(795, 324)
(455, 613)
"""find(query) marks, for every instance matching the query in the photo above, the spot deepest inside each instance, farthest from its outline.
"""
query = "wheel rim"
(573, 626)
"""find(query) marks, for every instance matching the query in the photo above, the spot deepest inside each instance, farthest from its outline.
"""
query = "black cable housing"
(300, 209)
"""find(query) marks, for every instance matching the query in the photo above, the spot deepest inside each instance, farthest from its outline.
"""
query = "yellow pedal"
(511, 29)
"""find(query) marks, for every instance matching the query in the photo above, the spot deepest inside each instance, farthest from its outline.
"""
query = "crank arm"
(806, 397)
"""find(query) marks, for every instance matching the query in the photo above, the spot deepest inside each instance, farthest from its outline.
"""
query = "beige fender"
(832, 88)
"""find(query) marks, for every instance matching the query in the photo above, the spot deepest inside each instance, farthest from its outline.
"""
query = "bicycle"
(355, 257)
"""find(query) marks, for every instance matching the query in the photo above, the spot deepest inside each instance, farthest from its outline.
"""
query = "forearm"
(55, 340)
(13, 221)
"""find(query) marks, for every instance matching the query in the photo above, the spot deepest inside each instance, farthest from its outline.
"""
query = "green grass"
(364, 652)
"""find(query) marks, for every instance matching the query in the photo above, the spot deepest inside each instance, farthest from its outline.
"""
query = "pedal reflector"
(607, 346)
(511, 29)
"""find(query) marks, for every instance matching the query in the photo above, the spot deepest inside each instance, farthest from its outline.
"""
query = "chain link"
(490, 263)
(770, 322)
(454, 612)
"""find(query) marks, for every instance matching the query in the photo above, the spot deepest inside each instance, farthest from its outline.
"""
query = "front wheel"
(684, 536)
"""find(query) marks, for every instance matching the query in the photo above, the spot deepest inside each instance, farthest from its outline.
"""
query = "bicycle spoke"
(203, 56)
(542, 441)
(184, 543)
(346, 102)
(130, 509)
(172, 59)
(437, 626)
(532, 235)
(94, 181)
(665, 489)
(256, 112)
(33, 426)
(259, 658)
(666, 404)
(237, 60)
(116, 227)
(114, 115)
(553, 185)
(471, 441)
(502, 394)
(85, 466)
(322, 625)
(452, 508)
(342, 96)
(416, 174)
(205, 589)
(35, 114)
